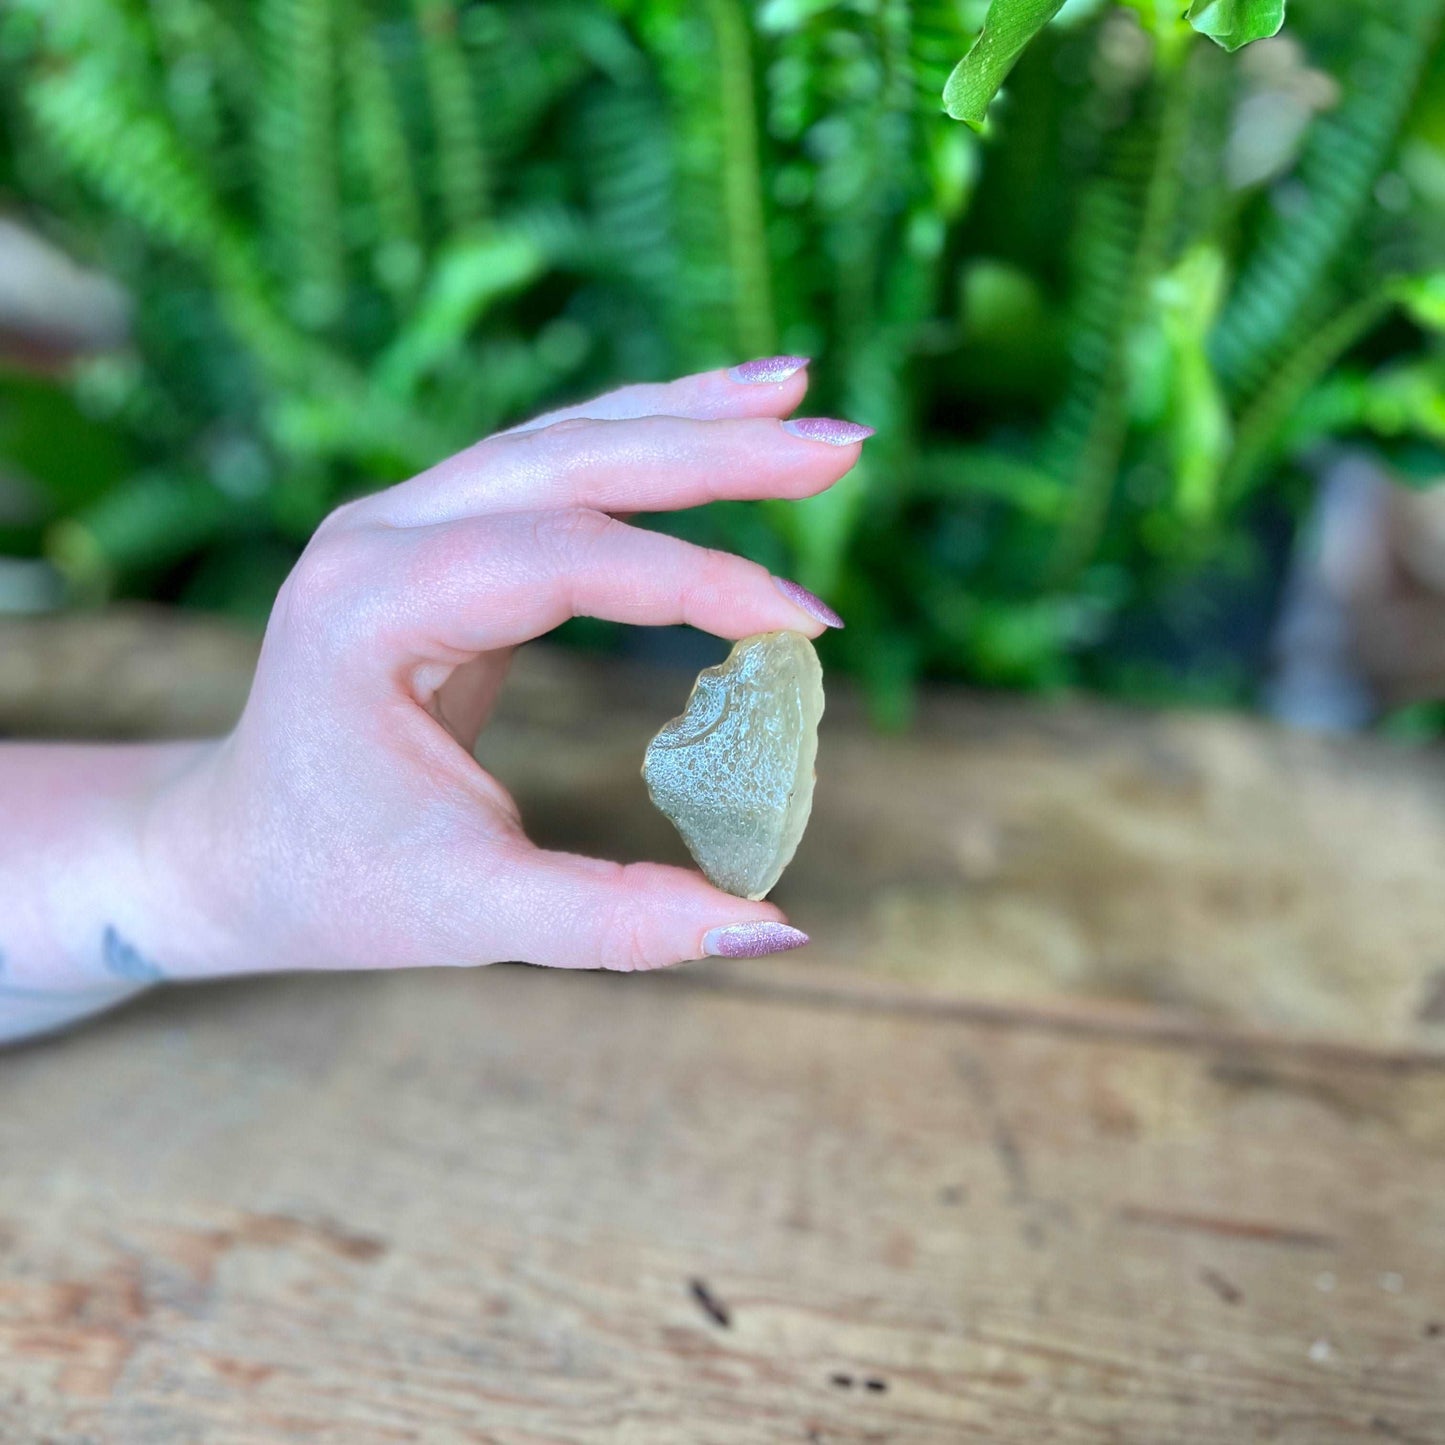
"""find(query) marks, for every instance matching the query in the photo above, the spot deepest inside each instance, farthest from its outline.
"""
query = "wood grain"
(454, 1207)
(1107, 1106)
(124, 672)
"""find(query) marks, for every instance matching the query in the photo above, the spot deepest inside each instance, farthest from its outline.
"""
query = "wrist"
(98, 897)
(102, 866)
(183, 920)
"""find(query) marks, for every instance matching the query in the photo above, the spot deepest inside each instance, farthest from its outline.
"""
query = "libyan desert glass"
(734, 773)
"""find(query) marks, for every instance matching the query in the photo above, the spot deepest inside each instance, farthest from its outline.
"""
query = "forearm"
(97, 895)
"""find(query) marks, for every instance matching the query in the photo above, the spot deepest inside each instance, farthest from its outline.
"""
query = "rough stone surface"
(734, 772)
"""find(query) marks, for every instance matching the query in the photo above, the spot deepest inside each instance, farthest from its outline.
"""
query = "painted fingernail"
(768, 368)
(827, 429)
(814, 606)
(751, 940)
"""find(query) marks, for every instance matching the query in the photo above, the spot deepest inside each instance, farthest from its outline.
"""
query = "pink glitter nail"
(768, 369)
(751, 940)
(828, 429)
(813, 605)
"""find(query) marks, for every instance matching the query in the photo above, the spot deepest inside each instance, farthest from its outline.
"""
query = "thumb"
(566, 911)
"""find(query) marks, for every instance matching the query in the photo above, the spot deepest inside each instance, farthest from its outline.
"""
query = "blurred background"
(1156, 353)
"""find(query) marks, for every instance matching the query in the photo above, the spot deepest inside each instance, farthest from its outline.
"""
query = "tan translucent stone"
(734, 772)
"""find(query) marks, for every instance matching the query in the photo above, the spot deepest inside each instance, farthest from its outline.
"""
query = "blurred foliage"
(1096, 334)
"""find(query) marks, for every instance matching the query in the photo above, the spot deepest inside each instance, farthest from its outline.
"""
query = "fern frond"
(471, 275)
(507, 377)
(966, 475)
(296, 156)
(461, 165)
(525, 59)
(720, 306)
(210, 76)
(128, 152)
(1275, 301)
(1124, 225)
(373, 119)
(1275, 403)
(742, 182)
(98, 121)
(627, 168)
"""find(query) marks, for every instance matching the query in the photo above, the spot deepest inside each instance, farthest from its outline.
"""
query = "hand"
(345, 823)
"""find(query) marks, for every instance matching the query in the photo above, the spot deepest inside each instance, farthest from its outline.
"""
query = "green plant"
(1096, 327)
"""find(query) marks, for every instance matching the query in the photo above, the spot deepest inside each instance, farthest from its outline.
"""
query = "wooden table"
(879, 1191)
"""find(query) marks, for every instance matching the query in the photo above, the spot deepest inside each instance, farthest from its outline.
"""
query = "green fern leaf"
(462, 179)
(1276, 299)
(296, 157)
(374, 119)
(1124, 226)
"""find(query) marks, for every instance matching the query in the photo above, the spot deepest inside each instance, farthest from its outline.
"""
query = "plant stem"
(742, 182)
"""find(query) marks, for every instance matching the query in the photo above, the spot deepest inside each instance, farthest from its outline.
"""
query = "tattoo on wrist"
(125, 960)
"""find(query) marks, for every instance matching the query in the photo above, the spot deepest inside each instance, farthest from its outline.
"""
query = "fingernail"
(826, 429)
(751, 940)
(768, 368)
(814, 606)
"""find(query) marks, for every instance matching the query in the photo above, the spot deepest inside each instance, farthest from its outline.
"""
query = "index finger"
(644, 464)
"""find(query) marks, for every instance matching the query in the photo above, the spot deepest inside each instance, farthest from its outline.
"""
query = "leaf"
(1423, 298)
(471, 274)
(1196, 421)
(461, 176)
(1232, 23)
(1007, 29)
(147, 522)
(976, 473)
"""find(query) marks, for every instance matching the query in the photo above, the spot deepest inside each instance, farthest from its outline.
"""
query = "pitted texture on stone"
(734, 773)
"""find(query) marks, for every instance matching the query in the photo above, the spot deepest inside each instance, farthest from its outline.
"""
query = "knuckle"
(536, 445)
(319, 579)
(568, 537)
(429, 561)
(320, 604)
(710, 575)
(720, 571)
(565, 425)
(629, 945)
(343, 518)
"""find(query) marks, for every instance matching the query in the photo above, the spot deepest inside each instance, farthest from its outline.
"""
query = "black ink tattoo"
(125, 960)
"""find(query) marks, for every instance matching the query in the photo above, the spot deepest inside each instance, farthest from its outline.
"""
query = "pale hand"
(344, 822)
